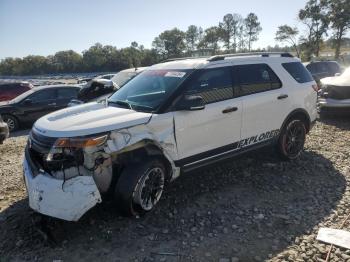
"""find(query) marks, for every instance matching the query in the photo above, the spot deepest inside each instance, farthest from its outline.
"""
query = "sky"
(43, 27)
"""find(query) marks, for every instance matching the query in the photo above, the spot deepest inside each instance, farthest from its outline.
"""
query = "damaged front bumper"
(67, 200)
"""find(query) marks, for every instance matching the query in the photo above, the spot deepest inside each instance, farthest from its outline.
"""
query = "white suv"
(174, 117)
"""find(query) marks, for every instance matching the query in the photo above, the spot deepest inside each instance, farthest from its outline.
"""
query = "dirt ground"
(254, 208)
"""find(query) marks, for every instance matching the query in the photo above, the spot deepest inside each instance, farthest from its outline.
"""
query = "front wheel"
(292, 139)
(11, 122)
(140, 187)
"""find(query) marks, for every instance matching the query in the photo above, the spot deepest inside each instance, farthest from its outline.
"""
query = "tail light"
(315, 87)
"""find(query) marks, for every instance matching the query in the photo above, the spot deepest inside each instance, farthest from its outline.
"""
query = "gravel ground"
(254, 208)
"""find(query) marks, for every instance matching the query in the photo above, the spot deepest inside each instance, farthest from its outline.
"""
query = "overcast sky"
(43, 27)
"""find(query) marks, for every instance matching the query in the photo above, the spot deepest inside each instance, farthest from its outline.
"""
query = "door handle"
(52, 104)
(282, 96)
(229, 110)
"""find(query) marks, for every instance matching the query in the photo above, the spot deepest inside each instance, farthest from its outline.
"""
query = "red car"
(9, 91)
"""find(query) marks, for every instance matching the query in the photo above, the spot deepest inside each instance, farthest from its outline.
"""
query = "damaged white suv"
(174, 117)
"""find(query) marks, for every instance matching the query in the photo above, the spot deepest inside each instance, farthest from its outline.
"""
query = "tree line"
(321, 18)
(234, 33)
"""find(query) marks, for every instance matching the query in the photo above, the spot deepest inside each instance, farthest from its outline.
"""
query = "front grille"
(338, 92)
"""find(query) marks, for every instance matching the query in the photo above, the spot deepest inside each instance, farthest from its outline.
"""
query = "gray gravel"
(254, 208)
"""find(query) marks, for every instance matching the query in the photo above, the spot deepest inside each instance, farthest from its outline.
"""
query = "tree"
(230, 29)
(211, 38)
(170, 43)
(314, 17)
(338, 14)
(252, 28)
(288, 34)
(192, 38)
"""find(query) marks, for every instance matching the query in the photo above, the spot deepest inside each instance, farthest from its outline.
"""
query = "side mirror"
(27, 102)
(75, 102)
(337, 74)
(191, 102)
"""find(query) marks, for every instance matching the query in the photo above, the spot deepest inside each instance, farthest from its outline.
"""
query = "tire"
(140, 187)
(11, 121)
(292, 139)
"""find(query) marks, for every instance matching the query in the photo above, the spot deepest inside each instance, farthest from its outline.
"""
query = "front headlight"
(71, 149)
(80, 142)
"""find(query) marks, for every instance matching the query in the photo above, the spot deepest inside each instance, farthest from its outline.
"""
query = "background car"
(33, 104)
(322, 69)
(335, 93)
(107, 76)
(4, 130)
(99, 88)
(9, 91)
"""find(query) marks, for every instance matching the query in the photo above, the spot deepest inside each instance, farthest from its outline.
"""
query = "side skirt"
(214, 156)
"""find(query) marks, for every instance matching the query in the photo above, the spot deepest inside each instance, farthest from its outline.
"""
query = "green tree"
(286, 33)
(67, 61)
(192, 38)
(252, 29)
(338, 13)
(314, 17)
(170, 43)
(230, 29)
(211, 38)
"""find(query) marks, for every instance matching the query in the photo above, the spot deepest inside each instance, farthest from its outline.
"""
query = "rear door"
(204, 134)
(265, 102)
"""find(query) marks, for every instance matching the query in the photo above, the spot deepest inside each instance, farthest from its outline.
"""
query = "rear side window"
(213, 84)
(256, 78)
(298, 72)
(44, 95)
(66, 93)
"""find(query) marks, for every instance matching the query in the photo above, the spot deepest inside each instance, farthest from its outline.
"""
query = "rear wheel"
(11, 121)
(140, 187)
(292, 139)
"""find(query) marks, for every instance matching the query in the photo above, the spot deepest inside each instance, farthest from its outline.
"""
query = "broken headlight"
(69, 152)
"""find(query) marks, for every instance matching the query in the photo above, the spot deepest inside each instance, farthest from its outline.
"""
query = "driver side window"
(213, 84)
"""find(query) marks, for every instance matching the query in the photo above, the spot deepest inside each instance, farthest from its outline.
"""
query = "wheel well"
(144, 151)
(301, 115)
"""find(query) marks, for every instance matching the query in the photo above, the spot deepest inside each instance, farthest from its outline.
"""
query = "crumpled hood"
(88, 119)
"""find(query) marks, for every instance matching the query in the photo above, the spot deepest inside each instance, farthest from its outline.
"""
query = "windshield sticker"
(175, 74)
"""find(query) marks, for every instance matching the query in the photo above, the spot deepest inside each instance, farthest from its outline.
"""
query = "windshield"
(147, 91)
(21, 97)
(123, 77)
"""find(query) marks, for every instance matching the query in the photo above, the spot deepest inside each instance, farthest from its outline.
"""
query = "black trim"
(218, 154)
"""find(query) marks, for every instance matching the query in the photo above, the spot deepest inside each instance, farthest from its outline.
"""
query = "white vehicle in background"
(172, 118)
(335, 93)
(98, 89)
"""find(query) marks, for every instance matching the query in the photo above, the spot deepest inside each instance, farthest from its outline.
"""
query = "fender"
(301, 113)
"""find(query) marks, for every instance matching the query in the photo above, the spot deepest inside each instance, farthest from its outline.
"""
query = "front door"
(203, 134)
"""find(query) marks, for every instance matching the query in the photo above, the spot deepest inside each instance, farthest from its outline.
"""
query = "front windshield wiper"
(121, 103)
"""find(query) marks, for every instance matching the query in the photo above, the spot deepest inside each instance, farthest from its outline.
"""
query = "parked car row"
(27, 103)
(33, 104)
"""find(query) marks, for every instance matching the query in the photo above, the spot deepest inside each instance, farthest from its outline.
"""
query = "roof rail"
(184, 58)
(262, 54)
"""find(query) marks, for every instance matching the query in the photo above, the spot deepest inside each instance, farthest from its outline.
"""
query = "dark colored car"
(4, 130)
(322, 69)
(33, 104)
(9, 91)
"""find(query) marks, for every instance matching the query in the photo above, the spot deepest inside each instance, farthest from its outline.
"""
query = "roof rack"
(184, 58)
(262, 54)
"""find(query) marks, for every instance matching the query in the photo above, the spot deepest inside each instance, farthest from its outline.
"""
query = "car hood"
(88, 119)
(336, 81)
